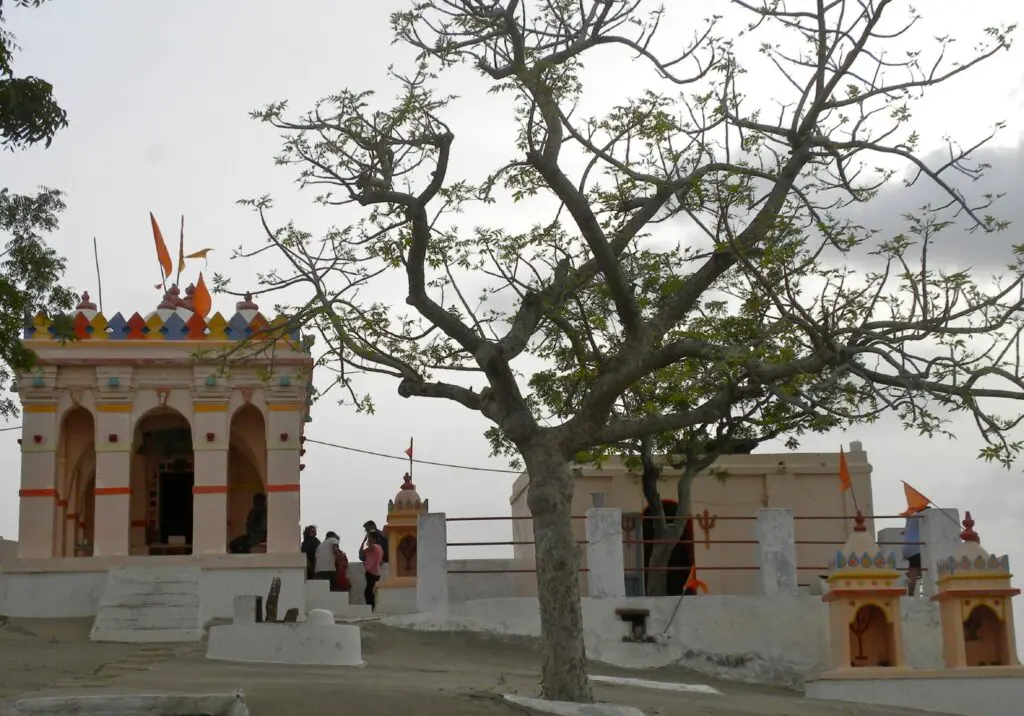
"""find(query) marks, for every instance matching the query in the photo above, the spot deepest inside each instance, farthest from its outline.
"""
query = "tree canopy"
(30, 270)
(688, 249)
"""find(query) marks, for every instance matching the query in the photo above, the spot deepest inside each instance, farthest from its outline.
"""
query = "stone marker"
(275, 593)
(291, 616)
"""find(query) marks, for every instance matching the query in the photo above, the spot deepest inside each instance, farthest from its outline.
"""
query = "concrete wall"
(8, 551)
(59, 595)
(807, 483)
(466, 587)
(779, 641)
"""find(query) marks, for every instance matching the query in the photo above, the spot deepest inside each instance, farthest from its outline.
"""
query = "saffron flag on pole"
(916, 502)
(844, 472)
(693, 583)
(408, 450)
(202, 302)
(181, 247)
(162, 254)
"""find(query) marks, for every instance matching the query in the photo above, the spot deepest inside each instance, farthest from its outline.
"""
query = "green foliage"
(30, 271)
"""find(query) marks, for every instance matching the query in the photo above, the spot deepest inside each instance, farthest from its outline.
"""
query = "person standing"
(255, 527)
(912, 551)
(310, 543)
(327, 559)
(370, 528)
(373, 558)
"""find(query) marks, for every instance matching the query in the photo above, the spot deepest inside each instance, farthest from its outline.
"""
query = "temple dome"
(407, 497)
(860, 540)
(171, 304)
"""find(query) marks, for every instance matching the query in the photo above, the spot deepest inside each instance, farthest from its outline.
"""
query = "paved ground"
(408, 674)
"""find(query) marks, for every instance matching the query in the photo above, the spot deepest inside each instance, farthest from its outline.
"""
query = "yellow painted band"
(210, 407)
(40, 408)
(114, 408)
(284, 407)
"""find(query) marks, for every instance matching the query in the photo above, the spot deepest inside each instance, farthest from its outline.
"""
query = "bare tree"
(747, 202)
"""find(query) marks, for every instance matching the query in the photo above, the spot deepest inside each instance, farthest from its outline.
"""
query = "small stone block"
(320, 616)
(292, 616)
(246, 609)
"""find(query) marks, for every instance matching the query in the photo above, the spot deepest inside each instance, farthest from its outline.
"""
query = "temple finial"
(969, 535)
(858, 522)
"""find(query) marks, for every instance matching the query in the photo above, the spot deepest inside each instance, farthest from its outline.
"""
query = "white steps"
(149, 604)
(320, 596)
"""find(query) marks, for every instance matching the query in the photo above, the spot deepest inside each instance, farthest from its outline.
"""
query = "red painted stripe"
(210, 490)
(41, 492)
(113, 491)
(283, 488)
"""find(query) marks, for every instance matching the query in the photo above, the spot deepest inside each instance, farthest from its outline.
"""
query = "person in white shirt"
(326, 559)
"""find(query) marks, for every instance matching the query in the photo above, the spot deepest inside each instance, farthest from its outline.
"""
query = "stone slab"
(657, 685)
(983, 691)
(302, 643)
(131, 705)
(568, 708)
(396, 600)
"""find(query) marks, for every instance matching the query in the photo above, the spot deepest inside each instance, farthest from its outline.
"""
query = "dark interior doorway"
(176, 505)
(682, 557)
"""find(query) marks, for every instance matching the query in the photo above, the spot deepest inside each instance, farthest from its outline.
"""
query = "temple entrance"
(682, 557)
(162, 480)
(247, 467)
(871, 638)
(76, 458)
(985, 642)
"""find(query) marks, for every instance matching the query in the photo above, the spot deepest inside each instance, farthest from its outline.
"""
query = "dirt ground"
(408, 673)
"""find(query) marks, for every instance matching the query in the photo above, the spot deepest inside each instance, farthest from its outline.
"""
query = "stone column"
(940, 532)
(606, 572)
(112, 523)
(211, 438)
(37, 509)
(432, 563)
(283, 428)
(776, 551)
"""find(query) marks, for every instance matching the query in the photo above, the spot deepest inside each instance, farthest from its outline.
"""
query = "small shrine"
(864, 605)
(975, 600)
(400, 530)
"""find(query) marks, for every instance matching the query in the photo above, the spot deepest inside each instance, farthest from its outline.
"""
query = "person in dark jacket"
(255, 527)
(309, 544)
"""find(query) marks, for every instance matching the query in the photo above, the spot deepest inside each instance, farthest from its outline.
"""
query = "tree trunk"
(655, 581)
(661, 555)
(563, 655)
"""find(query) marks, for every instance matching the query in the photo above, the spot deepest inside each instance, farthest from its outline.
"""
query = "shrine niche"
(865, 623)
(400, 530)
(976, 605)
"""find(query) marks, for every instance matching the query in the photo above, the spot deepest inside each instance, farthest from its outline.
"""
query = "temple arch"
(872, 640)
(76, 475)
(985, 642)
(247, 465)
(162, 478)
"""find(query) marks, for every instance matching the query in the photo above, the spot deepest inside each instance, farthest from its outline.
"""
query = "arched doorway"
(163, 475)
(682, 557)
(871, 638)
(247, 466)
(985, 642)
(76, 459)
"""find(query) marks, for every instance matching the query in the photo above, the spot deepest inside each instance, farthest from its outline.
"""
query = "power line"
(403, 458)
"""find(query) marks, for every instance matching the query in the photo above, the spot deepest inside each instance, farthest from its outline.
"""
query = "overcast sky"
(158, 96)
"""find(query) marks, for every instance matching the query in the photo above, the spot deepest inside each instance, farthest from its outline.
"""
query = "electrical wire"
(403, 458)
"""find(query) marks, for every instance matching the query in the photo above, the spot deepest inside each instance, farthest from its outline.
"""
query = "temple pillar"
(283, 431)
(432, 563)
(606, 575)
(37, 509)
(940, 533)
(112, 522)
(211, 440)
(776, 551)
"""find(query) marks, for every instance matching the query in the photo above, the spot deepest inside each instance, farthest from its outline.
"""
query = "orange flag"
(915, 501)
(693, 583)
(162, 254)
(201, 254)
(201, 301)
(844, 472)
(181, 246)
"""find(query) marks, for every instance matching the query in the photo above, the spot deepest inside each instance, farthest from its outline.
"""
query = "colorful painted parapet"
(168, 323)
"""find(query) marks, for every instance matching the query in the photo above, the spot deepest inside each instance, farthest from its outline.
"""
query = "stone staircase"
(149, 604)
(320, 596)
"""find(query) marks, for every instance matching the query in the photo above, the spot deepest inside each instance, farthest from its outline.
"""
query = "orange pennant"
(201, 300)
(162, 254)
(201, 254)
(916, 502)
(844, 473)
(693, 583)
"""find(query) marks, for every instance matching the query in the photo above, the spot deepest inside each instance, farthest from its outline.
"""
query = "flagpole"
(181, 253)
(410, 457)
(99, 281)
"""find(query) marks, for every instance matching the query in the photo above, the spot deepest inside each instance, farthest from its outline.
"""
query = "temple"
(147, 437)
